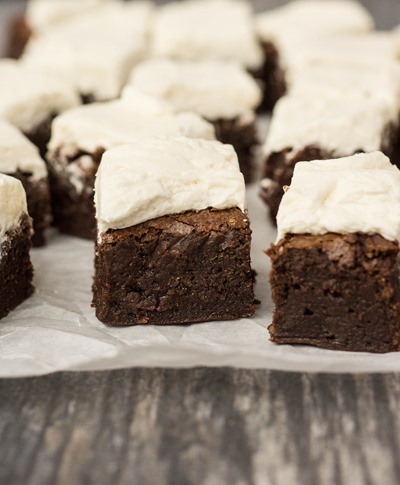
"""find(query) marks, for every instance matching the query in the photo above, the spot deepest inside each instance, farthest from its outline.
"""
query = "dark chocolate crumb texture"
(335, 267)
(336, 292)
(177, 269)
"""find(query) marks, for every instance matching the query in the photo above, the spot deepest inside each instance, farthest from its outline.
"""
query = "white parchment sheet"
(56, 329)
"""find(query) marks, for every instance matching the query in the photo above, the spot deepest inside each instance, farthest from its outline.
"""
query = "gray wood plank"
(200, 426)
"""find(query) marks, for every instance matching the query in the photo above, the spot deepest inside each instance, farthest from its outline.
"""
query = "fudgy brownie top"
(207, 29)
(214, 89)
(154, 177)
(105, 125)
(184, 222)
(348, 195)
(29, 95)
(17, 153)
(341, 250)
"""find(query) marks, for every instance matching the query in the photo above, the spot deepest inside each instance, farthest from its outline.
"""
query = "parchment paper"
(56, 329)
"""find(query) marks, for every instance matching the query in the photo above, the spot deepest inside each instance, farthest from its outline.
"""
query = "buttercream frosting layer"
(12, 204)
(95, 51)
(105, 125)
(360, 193)
(153, 177)
(29, 96)
(207, 29)
(17, 153)
(214, 89)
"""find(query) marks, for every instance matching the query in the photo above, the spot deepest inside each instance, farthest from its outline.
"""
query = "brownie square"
(173, 236)
(176, 269)
(80, 137)
(336, 292)
(222, 92)
(335, 266)
(305, 127)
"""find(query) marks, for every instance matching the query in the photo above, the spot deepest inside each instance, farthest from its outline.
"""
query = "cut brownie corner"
(337, 292)
(184, 268)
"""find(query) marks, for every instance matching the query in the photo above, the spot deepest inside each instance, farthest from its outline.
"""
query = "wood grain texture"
(200, 426)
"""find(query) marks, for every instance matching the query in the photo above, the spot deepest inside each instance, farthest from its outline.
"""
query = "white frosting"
(341, 124)
(344, 79)
(354, 194)
(370, 48)
(12, 204)
(315, 18)
(18, 153)
(207, 29)
(154, 177)
(109, 124)
(29, 96)
(95, 51)
(214, 89)
(145, 103)
(41, 14)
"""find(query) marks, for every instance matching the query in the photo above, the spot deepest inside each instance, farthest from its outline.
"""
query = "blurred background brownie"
(20, 159)
(220, 91)
(173, 243)
(357, 111)
(30, 98)
(95, 51)
(207, 29)
(42, 14)
(80, 137)
(16, 270)
(281, 30)
(335, 266)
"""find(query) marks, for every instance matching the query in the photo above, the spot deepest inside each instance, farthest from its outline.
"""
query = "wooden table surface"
(202, 426)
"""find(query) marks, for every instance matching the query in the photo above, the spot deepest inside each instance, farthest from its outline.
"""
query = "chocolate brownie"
(242, 134)
(20, 159)
(272, 77)
(177, 250)
(79, 139)
(307, 127)
(65, 48)
(16, 270)
(188, 268)
(72, 196)
(197, 30)
(220, 91)
(30, 98)
(41, 15)
(335, 267)
(291, 34)
(336, 292)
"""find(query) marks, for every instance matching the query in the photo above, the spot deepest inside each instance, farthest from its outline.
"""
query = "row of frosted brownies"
(172, 206)
(173, 244)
